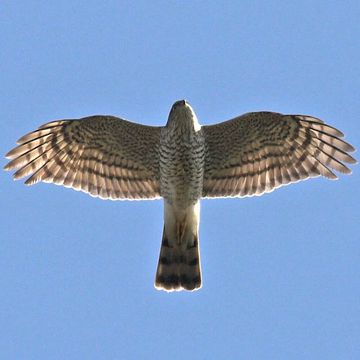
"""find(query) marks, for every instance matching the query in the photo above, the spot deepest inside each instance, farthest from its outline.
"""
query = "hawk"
(181, 162)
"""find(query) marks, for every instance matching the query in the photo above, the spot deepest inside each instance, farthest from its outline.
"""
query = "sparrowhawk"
(181, 162)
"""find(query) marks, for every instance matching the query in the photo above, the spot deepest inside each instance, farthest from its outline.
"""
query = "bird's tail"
(179, 261)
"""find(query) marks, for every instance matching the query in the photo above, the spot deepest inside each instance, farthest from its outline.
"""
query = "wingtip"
(6, 167)
(10, 154)
(17, 176)
(351, 160)
(31, 181)
(23, 139)
(351, 148)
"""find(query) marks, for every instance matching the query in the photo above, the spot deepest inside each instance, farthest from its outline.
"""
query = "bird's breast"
(181, 166)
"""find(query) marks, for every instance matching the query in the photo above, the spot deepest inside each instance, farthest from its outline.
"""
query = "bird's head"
(182, 115)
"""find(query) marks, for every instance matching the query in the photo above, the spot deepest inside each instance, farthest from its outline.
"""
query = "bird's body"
(182, 158)
(182, 162)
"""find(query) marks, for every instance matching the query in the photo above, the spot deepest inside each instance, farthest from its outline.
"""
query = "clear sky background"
(280, 272)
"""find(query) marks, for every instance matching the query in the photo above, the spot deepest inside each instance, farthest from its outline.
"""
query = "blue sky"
(280, 272)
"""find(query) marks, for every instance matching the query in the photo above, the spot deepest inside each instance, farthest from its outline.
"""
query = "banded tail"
(179, 260)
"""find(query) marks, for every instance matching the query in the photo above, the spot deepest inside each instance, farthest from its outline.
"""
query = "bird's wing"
(258, 152)
(104, 156)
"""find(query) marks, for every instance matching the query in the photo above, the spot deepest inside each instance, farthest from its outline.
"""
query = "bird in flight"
(181, 162)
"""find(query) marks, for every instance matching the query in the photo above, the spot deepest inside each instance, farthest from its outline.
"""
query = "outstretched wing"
(258, 152)
(101, 155)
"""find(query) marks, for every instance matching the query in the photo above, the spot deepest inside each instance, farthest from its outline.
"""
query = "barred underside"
(112, 158)
(259, 152)
(104, 156)
(179, 264)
